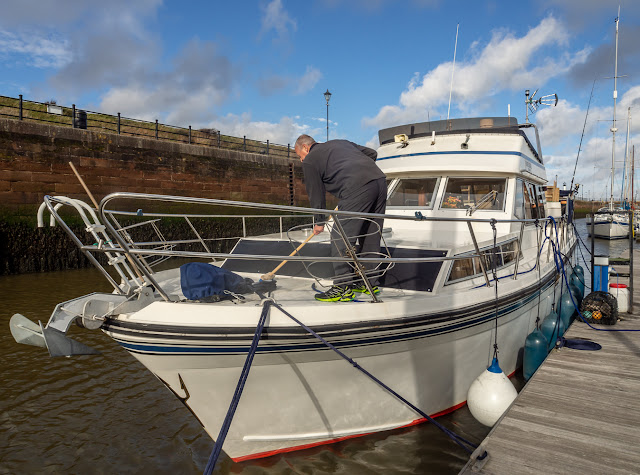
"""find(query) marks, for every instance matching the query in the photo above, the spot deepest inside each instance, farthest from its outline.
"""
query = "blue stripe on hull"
(270, 349)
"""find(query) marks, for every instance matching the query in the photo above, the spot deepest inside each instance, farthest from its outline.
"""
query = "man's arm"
(369, 152)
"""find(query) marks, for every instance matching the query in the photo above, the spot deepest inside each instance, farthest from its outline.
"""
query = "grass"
(37, 112)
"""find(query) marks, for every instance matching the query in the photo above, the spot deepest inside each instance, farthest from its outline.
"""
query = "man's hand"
(318, 228)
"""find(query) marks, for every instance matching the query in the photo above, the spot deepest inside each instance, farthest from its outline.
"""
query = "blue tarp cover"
(199, 280)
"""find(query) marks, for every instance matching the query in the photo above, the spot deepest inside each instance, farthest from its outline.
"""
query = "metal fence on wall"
(85, 119)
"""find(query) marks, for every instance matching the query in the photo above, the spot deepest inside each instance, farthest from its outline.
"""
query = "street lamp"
(327, 96)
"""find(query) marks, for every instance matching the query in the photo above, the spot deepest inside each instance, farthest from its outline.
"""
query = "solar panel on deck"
(409, 276)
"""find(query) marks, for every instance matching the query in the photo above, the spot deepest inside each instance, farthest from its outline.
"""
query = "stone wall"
(34, 161)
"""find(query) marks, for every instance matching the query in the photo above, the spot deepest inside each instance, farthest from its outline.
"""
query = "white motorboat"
(464, 261)
(608, 224)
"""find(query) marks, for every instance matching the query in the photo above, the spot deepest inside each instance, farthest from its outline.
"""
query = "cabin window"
(466, 268)
(413, 193)
(519, 208)
(488, 259)
(509, 252)
(461, 268)
(529, 208)
(533, 202)
(463, 193)
(542, 199)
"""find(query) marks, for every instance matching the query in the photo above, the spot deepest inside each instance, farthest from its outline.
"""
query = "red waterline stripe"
(340, 439)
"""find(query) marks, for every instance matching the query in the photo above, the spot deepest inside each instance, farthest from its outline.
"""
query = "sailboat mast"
(614, 128)
(625, 185)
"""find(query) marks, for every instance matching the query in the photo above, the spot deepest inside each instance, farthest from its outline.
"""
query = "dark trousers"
(371, 198)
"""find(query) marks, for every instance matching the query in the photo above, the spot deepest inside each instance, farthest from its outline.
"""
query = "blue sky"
(260, 68)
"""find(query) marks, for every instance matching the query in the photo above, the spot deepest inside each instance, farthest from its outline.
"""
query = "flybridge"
(477, 125)
(422, 129)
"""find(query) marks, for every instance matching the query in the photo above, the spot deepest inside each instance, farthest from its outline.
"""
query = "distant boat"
(606, 223)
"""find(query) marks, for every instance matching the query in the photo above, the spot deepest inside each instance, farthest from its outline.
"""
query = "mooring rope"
(495, 285)
(468, 446)
(538, 322)
(573, 223)
(559, 263)
(462, 442)
(217, 445)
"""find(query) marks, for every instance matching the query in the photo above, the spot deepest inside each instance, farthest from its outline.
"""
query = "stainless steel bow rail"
(110, 231)
(116, 241)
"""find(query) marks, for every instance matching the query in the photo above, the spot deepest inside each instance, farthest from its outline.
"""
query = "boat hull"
(609, 229)
(297, 398)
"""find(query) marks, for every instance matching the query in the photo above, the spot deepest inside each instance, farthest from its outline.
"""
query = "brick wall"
(34, 161)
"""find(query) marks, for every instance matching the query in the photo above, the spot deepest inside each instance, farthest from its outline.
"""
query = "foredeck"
(579, 413)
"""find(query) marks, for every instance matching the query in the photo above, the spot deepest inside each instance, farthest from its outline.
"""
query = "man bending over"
(349, 172)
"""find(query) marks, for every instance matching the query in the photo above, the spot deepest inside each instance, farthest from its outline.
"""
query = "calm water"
(108, 414)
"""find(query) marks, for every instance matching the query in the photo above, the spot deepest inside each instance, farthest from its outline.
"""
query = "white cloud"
(298, 85)
(324, 121)
(567, 120)
(309, 80)
(563, 126)
(286, 131)
(185, 107)
(373, 142)
(557, 123)
(61, 13)
(40, 51)
(505, 63)
(276, 18)
(188, 94)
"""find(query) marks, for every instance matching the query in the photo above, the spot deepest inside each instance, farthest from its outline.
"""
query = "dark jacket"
(339, 167)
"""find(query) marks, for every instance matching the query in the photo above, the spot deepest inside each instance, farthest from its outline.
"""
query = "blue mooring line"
(217, 445)
(455, 437)
(468, 446)
(558, 259)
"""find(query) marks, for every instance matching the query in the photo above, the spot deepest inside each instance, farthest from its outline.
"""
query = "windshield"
(463, 193)
(413, 192)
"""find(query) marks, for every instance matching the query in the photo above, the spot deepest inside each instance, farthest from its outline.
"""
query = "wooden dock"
(579, 413)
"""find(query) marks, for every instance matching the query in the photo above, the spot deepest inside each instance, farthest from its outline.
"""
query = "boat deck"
(579, 413)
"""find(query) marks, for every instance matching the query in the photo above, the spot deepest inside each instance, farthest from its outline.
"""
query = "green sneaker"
(336, 293)
(362, 289)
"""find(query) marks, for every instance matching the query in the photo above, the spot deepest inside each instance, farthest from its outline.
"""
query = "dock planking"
(579, 413)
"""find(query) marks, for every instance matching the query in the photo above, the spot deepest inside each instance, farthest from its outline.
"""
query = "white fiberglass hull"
(300, 397)
(607, 228)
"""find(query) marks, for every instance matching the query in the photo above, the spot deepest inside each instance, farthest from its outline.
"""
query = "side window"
(528, 209)
(462, 193)
(542, 199)
(509, 252)
(519, 205)
(461, 268)
(413, 192)
(469, 267)
(531, 189)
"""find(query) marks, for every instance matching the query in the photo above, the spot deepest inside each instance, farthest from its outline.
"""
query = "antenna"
(532, 104)
(455, 48)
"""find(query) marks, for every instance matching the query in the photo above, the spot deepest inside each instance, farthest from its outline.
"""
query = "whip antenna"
(455, 48)
(582, 136)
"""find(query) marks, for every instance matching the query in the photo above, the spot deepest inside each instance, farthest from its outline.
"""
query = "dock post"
(593, 252)
(630, 307)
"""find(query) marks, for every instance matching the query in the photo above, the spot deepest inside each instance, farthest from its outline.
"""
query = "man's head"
(303, 145)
